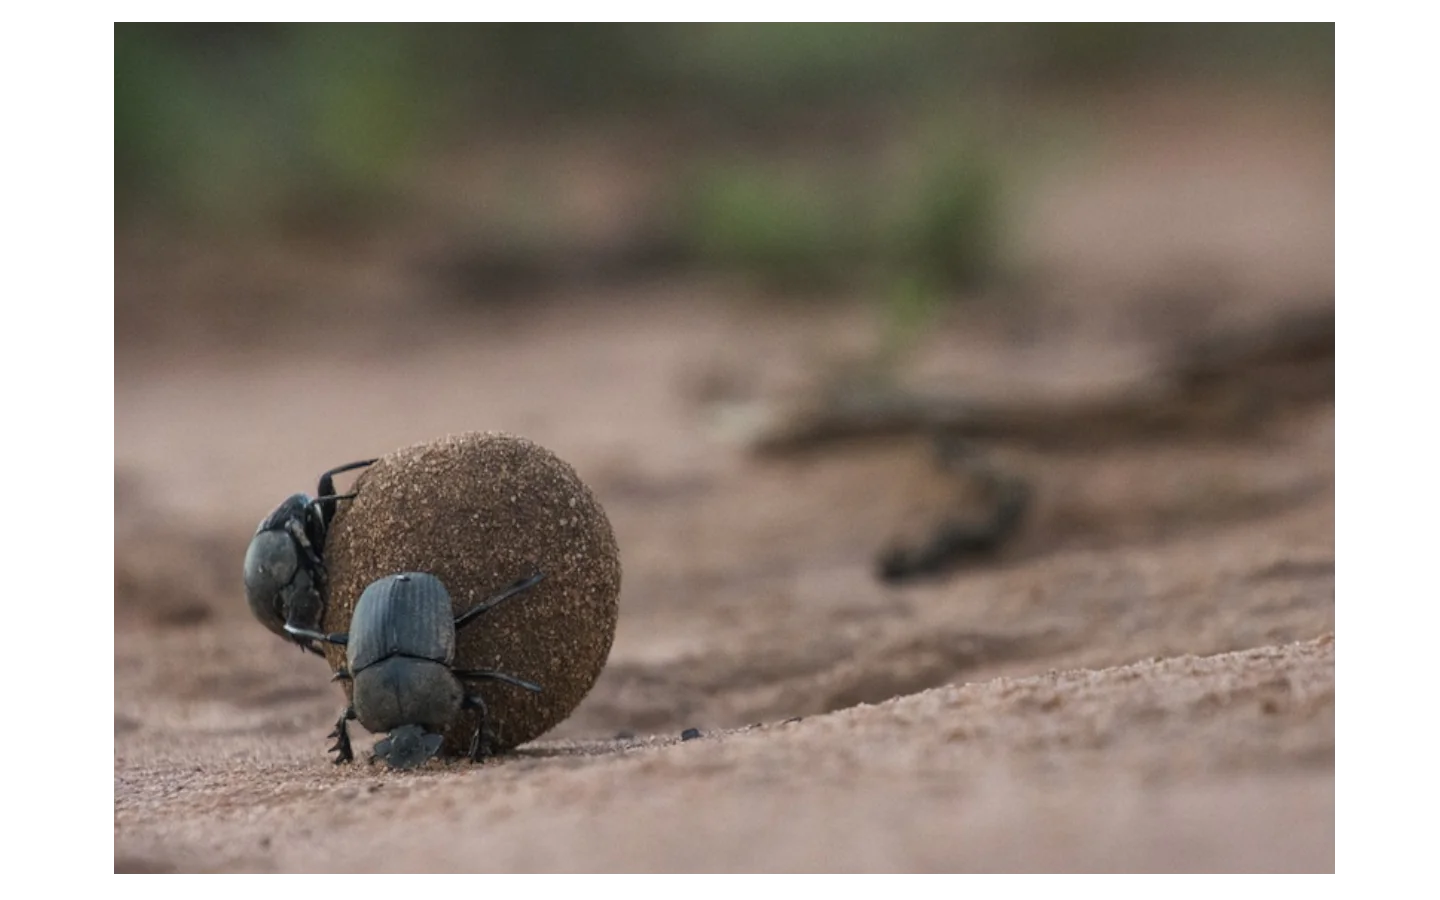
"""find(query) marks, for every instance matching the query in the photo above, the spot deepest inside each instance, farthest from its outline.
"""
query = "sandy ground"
(1144, 681)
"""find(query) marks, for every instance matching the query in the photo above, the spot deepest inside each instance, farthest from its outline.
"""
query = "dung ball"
(480, 511)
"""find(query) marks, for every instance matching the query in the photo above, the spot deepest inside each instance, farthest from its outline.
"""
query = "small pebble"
(689, 734)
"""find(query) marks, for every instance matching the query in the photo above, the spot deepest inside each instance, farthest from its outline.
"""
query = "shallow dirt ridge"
(481, 511)
(1144, 679)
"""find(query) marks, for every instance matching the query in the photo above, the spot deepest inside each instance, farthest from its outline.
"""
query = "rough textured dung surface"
(481, 511)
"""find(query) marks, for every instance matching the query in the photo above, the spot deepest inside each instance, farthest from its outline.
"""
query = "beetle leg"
(327, 481)
(325, 501)
(331, 498)
(493, 675)
(296, 529)
(520, 586)
(321, 511)
(302, 607)
(341, 734)
(480, 743)
(341, 638)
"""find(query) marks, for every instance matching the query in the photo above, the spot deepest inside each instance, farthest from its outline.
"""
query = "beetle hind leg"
(493, 675)
(327, 480)
(490, 603)
(326, 497)
(480, 743)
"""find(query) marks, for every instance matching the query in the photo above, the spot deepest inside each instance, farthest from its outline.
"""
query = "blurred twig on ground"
(1225, 383)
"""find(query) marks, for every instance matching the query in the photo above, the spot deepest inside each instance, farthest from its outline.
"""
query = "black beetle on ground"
(400, 655)
(285, 563)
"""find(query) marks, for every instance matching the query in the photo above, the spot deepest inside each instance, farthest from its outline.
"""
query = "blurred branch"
(1227, 383)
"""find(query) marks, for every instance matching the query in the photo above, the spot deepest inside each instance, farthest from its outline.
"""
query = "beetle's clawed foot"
(341, 748)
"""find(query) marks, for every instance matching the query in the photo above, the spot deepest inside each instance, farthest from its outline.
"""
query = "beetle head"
(408, 746)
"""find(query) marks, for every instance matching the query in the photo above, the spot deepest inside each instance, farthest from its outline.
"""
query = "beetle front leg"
(341, 734)
(296, 529)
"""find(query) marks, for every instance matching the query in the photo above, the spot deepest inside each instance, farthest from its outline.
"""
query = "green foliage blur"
(220, 121)
(812, 230)
(227, 125)
(220, 118)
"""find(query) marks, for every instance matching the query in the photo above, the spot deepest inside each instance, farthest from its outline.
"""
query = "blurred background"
(727, 226)
(898, 161)
(899, 355)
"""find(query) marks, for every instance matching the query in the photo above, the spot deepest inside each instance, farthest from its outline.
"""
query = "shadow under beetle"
(285, 563)
(400, 655)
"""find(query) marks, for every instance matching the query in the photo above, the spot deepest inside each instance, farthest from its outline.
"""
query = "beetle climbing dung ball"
(480, 511)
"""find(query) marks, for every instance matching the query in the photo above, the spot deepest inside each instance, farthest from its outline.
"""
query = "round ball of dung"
(481, 511)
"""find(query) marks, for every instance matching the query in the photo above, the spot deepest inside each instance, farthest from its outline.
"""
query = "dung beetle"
(400, 656)
(285, 564)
